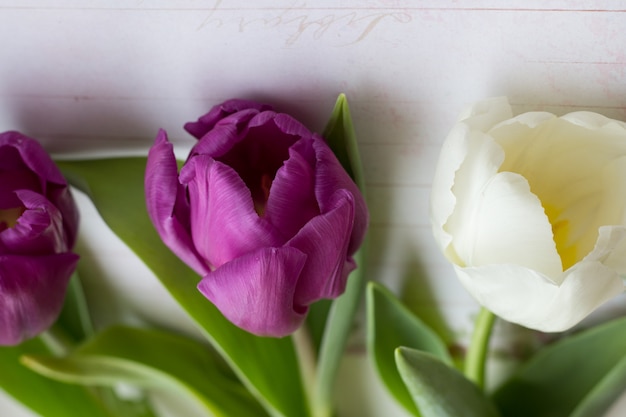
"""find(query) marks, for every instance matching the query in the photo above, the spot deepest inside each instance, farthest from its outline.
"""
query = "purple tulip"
(262, 210)
(38, 225)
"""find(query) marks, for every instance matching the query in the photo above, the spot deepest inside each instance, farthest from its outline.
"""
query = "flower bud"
(262, 210)
(531, 210)
(38, 226)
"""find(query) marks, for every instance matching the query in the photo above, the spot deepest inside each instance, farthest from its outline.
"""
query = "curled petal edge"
(162, 189)
(526, 297)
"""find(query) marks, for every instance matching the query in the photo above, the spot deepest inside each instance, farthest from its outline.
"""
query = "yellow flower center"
(561, 229)
(8, 217)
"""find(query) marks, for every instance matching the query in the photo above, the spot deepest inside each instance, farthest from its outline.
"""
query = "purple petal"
(224, 135)
(38, 231)
(292, 203)
(284, 122)
(224, 223)
(32, 290)
(34, 157)
(269, 137)
(219, 112)
(62, 199)
(26, 165)
(10, 181)
(256, 291)
(325, 240)
(331, 177)
(162, 192)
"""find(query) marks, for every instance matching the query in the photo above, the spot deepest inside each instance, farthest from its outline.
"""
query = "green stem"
(479, 345)
(56, 340)
(306, 359)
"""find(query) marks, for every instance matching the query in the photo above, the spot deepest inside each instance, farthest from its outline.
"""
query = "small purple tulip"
(38, 226)
(262, 210)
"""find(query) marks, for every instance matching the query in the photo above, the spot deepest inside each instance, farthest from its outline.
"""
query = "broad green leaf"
(44, 396)
(152, 359)
(132, 407)
(604, 394)
(267, 366)
(438, 389)
(73, 327)
(391, 325)
(581, 375)
(337, 320)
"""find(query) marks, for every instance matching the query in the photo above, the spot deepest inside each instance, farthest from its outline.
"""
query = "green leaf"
(131, 407)
(581, 375)
(336, 333)
(438, 389)
(267, 366)
(604, 394)
(44, 396)
(390, 325)
(337, 320)
(340, 135)
(151, 359)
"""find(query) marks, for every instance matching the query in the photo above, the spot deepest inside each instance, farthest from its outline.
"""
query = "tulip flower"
(531, 211)
(38, 226)
(262, 210)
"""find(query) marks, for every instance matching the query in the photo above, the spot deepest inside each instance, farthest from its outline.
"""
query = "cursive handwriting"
(351, 25)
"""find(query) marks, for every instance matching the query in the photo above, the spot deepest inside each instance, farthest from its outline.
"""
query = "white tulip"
(531, 211)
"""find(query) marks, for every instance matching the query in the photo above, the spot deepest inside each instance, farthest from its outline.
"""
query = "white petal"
(610, 249)
(576, 172)
(484, 114)
(528, 298)
(509, 226)
(442, 201)
(594, 121)
(455, 149)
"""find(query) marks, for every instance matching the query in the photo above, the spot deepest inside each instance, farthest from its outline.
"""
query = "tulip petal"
(330, 177)
(10, 181)
(163, 194)
(610, 249)
(224, 135)
(284, 122)
(38, 231)
(292, 203)
(496, 218)
(207, 122)
(62, 199)
(464, 139)
(35, 158)
(526, 297)
(224, 224)
(486, 113)
(509, 225)
(442, 199)
(32, 290)
(595, 121)
(325, 240)
(574, 170)
(26, 165)
(256, 291)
